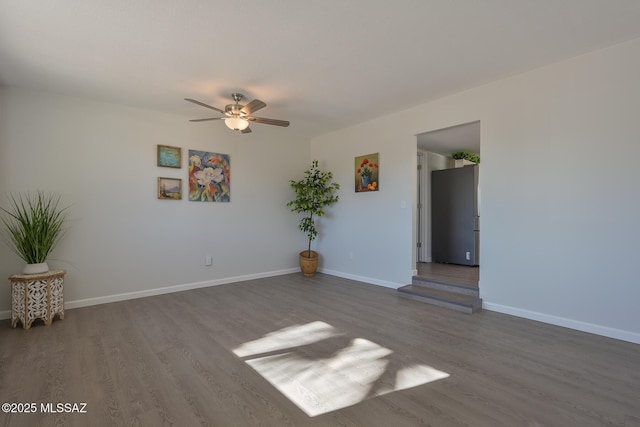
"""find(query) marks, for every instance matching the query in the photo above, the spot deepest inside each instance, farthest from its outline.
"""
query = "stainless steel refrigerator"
(455, 216)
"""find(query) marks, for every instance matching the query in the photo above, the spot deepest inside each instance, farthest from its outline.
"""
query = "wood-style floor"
(169, 360)
(449, 273)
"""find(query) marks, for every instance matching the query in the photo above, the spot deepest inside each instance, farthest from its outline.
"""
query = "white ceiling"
(323, 65)
(464, 137)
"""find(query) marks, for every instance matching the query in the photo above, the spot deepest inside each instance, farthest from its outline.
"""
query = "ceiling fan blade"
(204, 105)
(246, 130)
(206, 120)
(254, 105)
(282, 123)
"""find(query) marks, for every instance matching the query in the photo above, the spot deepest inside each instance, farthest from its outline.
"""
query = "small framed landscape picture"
(169, 188)
(169, 157)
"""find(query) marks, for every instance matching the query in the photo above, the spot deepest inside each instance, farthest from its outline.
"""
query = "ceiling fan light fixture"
(238, 117)
(236, 123)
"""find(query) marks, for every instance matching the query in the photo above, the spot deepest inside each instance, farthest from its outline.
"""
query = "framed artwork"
(169, 157)
(169, 188)
(209, 177)
(367, 173)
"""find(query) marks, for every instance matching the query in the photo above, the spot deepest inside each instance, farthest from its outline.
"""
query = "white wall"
(375, 227)
(560, 202)
(102, 158)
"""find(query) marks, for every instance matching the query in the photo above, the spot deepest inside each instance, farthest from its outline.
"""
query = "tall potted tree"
(314, 192)
(34, 223)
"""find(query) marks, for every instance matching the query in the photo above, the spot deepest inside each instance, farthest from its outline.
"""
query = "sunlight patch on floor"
(321, 370)
(293, 336)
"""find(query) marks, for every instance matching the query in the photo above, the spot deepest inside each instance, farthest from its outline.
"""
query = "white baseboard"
(6, 314)
(541, 317)
(364, 279)
(591, 328)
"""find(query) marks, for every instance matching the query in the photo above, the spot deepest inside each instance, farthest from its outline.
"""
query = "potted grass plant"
(34, 226)
(463, 158)
(314, 193)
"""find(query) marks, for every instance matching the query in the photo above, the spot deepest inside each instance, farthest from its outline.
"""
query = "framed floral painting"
(169, 188)
(209, 177)
(367, 173)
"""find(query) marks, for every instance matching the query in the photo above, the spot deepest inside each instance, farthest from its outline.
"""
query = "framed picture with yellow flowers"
(367, 173)
(209, 177)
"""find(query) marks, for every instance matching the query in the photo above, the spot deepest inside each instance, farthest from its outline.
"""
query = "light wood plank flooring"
(168, 360)
(449, 273)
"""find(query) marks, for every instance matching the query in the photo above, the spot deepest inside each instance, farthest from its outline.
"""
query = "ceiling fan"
(236, 116)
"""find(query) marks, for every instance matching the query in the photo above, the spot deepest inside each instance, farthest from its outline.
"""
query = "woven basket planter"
(308, 266)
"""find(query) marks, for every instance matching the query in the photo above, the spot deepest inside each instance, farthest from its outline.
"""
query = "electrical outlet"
(468, 256)
(351, 255)
(208, 260)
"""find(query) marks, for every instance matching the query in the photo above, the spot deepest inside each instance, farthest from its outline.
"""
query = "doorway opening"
(447, 250)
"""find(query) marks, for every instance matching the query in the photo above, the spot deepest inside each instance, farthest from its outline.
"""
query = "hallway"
(449, 273)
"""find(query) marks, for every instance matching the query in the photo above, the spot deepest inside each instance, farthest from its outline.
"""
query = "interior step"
(457, 288)
(457, 297)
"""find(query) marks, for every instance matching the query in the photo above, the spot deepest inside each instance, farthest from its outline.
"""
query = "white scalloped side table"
(37, 296)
